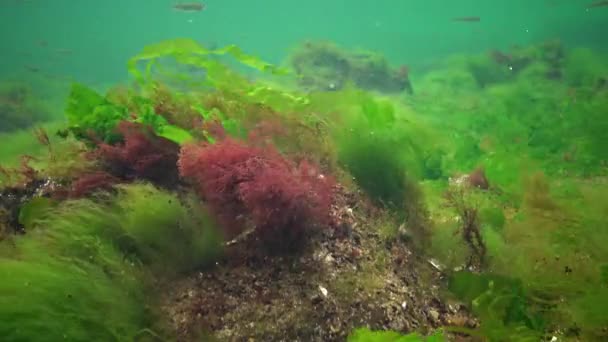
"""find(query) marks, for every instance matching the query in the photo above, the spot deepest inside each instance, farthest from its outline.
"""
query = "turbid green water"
(102, 35)
(149, 154)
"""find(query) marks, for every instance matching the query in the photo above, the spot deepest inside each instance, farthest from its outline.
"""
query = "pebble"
(434, 315)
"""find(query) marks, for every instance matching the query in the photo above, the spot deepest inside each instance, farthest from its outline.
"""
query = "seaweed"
(260, 157)
(366, 143)
(95, 119)
(90, 115)
(88, 183)
(502, 304)
(240, 183)
(366, 335)
(81, 260)
(460, 199)
(142, 155)
(187, 52)
(170, 235)
(62, 279)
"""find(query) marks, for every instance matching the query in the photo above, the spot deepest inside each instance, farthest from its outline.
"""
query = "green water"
(102, 35)
(486, 138)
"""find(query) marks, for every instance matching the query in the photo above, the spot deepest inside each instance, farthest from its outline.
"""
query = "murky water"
(153, 147)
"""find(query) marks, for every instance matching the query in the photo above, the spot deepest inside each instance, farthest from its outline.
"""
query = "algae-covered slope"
(197, 203)
(523, 164)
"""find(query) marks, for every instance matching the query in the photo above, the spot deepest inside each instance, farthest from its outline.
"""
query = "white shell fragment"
(323, 291)
(436, 264)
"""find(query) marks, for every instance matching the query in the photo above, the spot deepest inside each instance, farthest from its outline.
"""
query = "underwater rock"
(13, 198)
(324, 66)
(310, 300)
(19, 108)
(543, 60)
(434, 315)
(477, 179)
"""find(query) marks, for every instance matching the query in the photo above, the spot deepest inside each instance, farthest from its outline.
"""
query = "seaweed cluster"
(531, 129)
(238, 210)
(228, 167)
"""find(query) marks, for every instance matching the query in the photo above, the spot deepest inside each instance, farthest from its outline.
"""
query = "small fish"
(189, 6)
(63, 51)
(467, 19)
(32, 68)
(603, 3)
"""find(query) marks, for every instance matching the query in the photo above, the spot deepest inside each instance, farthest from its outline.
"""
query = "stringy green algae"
(78, 275)
(66, 280)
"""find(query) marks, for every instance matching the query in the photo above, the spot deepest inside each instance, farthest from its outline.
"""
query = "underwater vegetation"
(366, 335)
(523, 122)
(246, 183)
(214, 205)
(79, 263)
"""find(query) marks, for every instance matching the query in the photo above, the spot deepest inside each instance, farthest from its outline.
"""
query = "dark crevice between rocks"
(13, 198)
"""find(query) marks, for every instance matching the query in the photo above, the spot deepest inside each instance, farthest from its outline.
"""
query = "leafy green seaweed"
(90, 113)
(188, 52)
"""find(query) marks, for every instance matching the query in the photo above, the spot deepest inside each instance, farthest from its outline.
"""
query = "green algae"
(539, 231)
(187, 52)
(511, 123)
(64, 278)
(168, 235)
(83, 270)
(91, 115)
(23, 141)
(370, 133)
(366, 335)
(544, 236)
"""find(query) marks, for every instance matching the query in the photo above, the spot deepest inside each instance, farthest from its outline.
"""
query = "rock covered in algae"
(324, 66)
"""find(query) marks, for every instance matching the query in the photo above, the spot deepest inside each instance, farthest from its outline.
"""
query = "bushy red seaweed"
(91, 182)
(245, 184)
(141, 155)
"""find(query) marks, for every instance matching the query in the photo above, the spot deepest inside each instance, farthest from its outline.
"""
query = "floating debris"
(603, 3)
